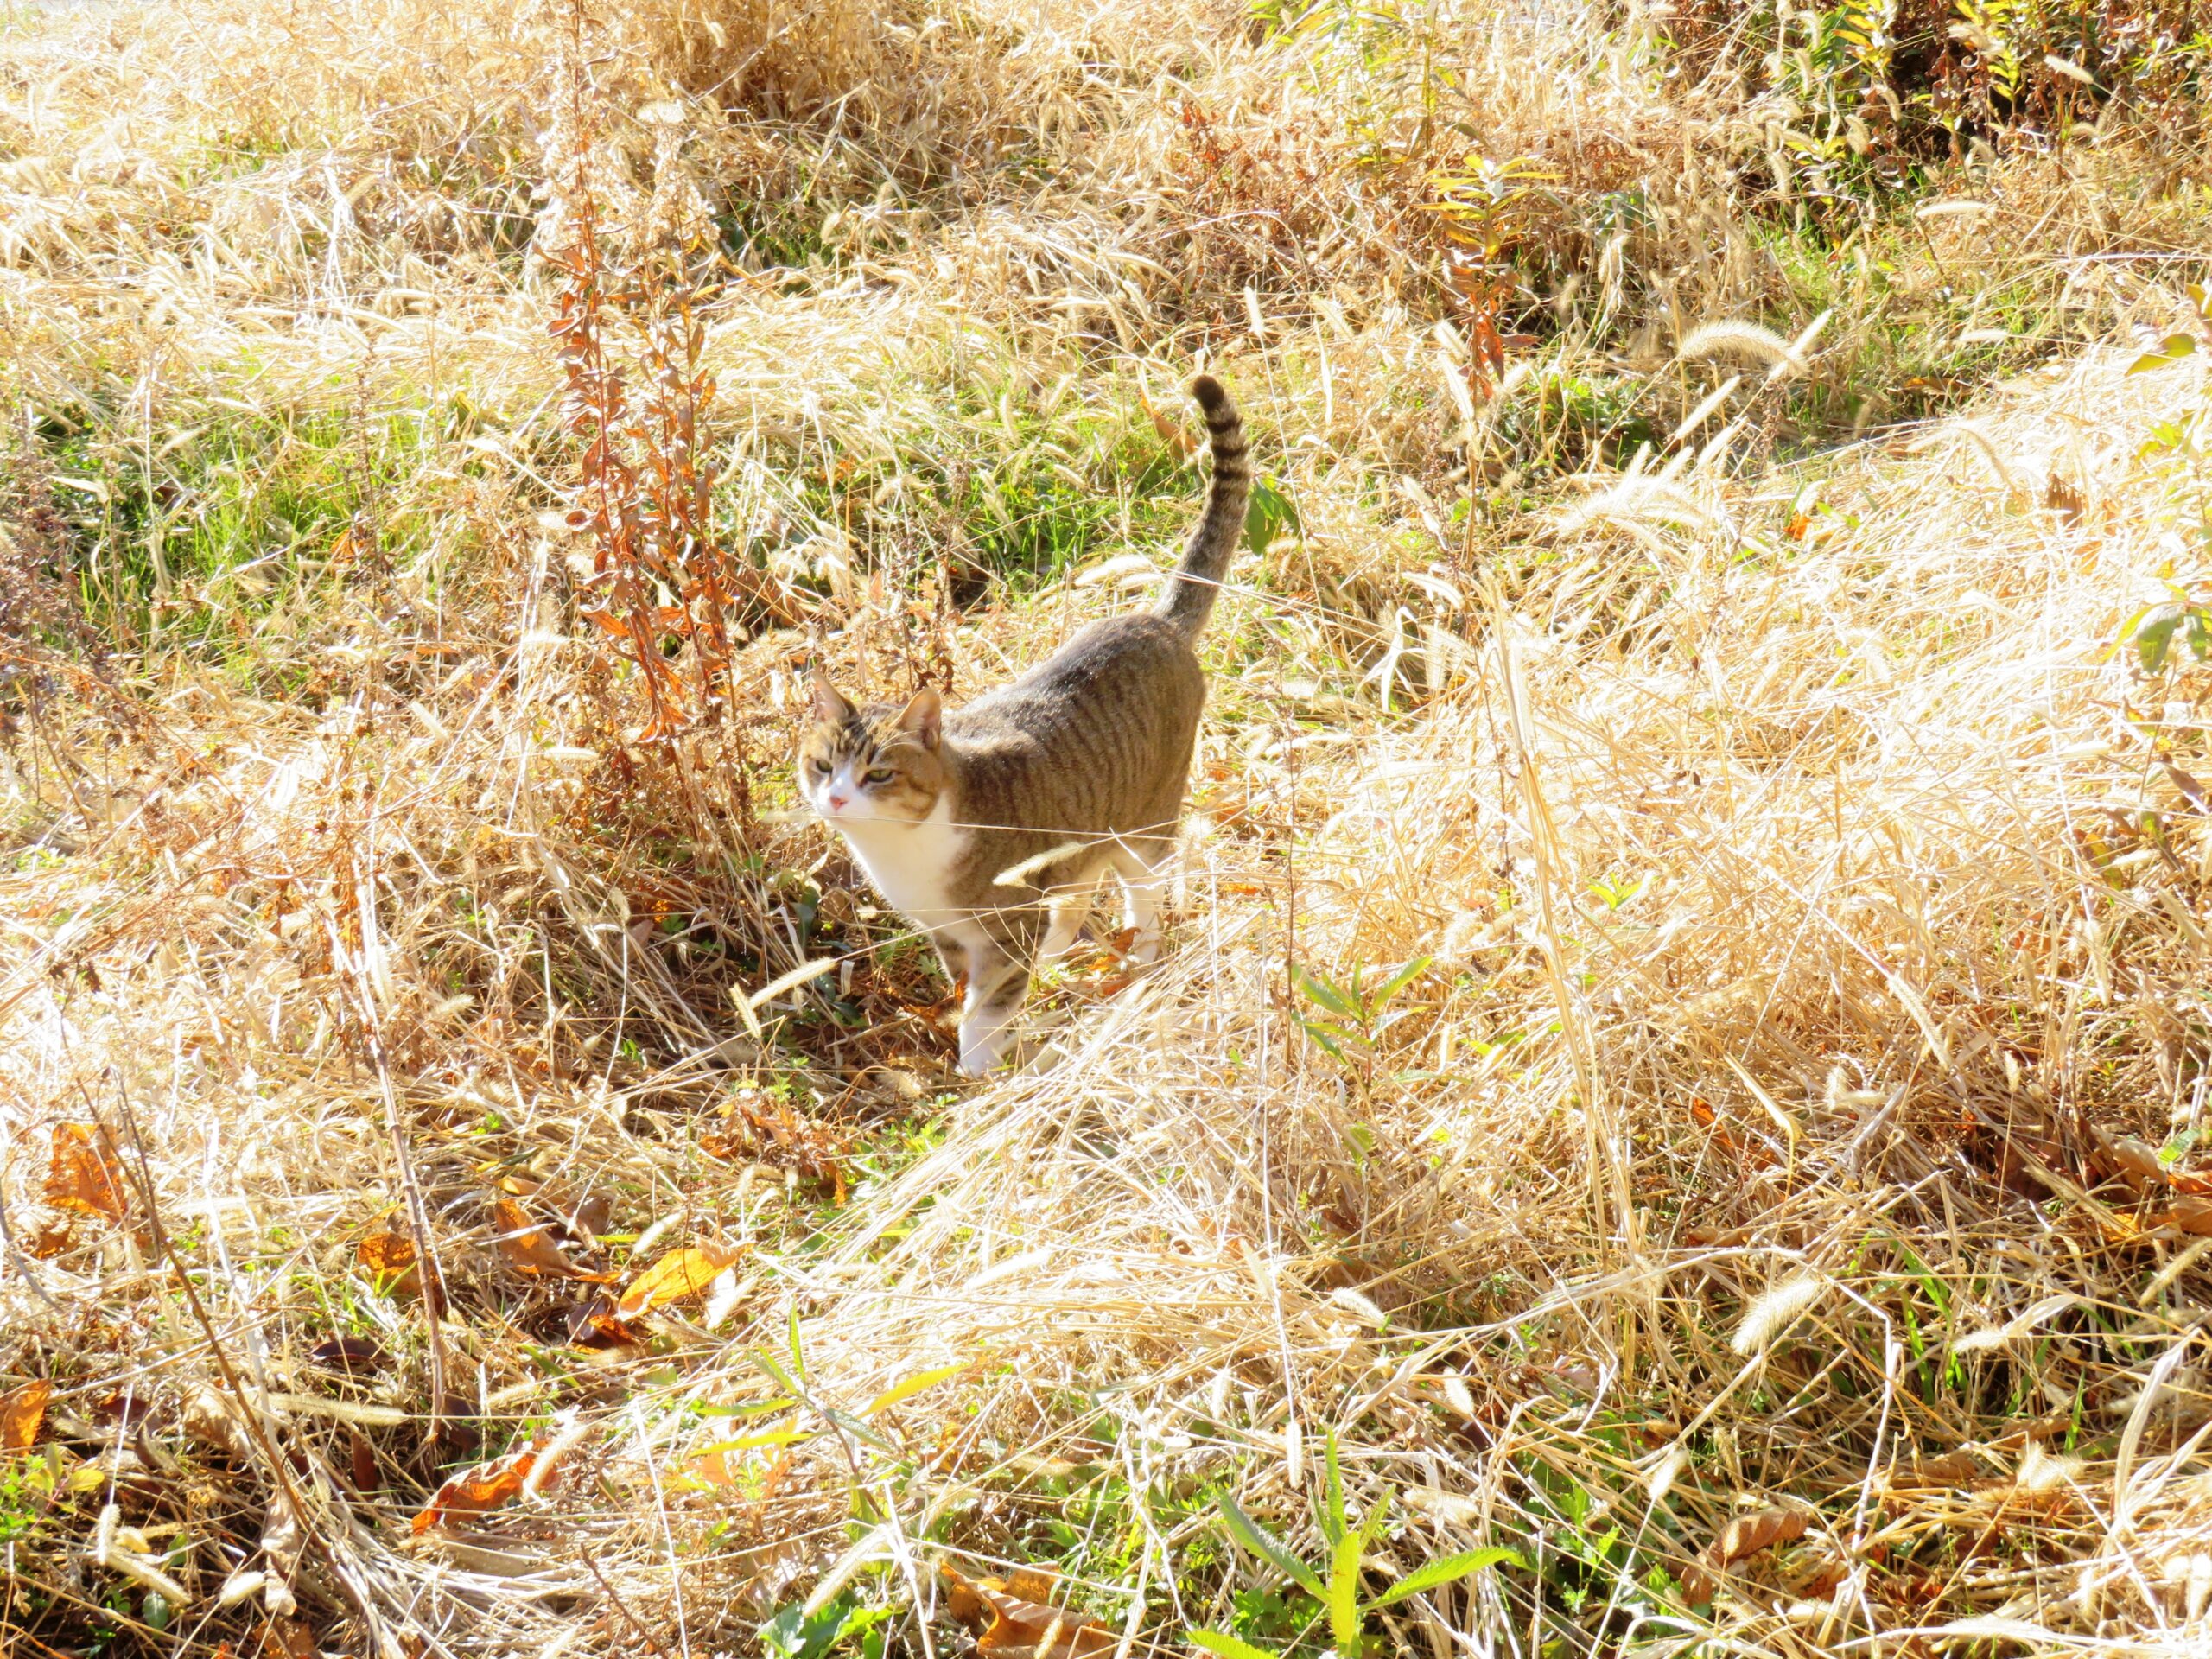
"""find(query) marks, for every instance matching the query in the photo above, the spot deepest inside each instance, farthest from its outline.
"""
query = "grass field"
(1670, 1120)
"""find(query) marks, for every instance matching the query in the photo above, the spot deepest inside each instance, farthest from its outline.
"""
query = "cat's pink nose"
(837, 802)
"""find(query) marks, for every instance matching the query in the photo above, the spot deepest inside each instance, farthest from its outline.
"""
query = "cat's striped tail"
(1189, 599)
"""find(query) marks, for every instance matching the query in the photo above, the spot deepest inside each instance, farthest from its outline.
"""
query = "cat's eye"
(819, 768)
(878, 775)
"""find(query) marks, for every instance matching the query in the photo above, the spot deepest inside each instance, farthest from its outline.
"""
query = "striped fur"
(991, 826)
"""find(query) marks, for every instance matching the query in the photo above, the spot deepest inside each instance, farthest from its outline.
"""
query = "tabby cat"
(991, 826)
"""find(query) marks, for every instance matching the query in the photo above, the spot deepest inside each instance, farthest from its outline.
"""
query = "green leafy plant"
(1353, 1017)
(1335, 1583)
(1268, 514)
(795, 1634)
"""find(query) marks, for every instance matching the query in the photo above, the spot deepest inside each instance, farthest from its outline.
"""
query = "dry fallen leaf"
(389, 1260)
(82, 1174)
(475, 1490)
(2137, 1163)
(1744, 1536)
(528, 1248)
(1010, 1620)
(675, 1276)
(21, 1411)
(356, 1354)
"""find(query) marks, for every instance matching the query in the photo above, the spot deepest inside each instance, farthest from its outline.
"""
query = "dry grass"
(1797, 903)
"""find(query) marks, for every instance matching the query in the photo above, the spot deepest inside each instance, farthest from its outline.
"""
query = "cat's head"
(881, 762)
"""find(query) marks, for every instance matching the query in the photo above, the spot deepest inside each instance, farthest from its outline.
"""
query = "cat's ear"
(923, 717)
(829, 703)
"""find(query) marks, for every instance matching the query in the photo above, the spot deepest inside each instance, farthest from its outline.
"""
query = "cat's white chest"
(910, 862)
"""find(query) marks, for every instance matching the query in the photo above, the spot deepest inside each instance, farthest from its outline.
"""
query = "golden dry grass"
(1797, 900)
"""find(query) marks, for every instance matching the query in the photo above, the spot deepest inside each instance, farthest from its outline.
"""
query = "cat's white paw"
(980, 1052)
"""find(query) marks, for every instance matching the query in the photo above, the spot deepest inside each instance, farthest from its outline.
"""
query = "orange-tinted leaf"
(82, 1174)
(2192, 1215)
(475, 1490)
(1171, 433)
(21, 1411)
(1744, 1536)
(675, 1276)
(389, 1260)
(1010, 1625)
(528, 1248)
(1749, 1534)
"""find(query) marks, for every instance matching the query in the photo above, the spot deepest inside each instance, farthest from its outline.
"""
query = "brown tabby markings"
(1077, 769)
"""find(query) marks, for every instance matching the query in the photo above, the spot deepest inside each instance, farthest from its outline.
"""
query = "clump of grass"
(1679, 1061)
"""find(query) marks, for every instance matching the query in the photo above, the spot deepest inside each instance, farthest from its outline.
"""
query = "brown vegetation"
(1682, 1052)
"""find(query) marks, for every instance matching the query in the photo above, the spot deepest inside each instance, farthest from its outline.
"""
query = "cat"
(991, 826)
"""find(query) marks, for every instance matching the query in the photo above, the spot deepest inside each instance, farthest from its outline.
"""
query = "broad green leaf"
(1332, 1516)
(1267, 513)
(2172, 349)
(1228, 1646)
(1343, 1594)
(1372, 1529)
(1398, 981)
(1326, 1038)
(909, 1387)
(844, 1420)
(2156, 636)
(1319, 989)
(753, 1442)
(1446, 1571)
(1268, 1547)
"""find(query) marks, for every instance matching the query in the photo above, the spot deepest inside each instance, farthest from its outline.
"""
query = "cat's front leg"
(997, 982)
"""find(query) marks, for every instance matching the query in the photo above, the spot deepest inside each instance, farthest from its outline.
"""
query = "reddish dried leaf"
(365, 1479)
(675, 1276)
(21, 1411)
(389, 1260)
(475, 1490)
(82, 1173)
(347, 1354)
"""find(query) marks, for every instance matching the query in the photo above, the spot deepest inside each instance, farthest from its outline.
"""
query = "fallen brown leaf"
(1010, 1620)
(474, 1491)
(389, 1260)
(528, 1248)
(1744, 1536)
(82, 1173)
(675, 1276)
(21, 1411)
